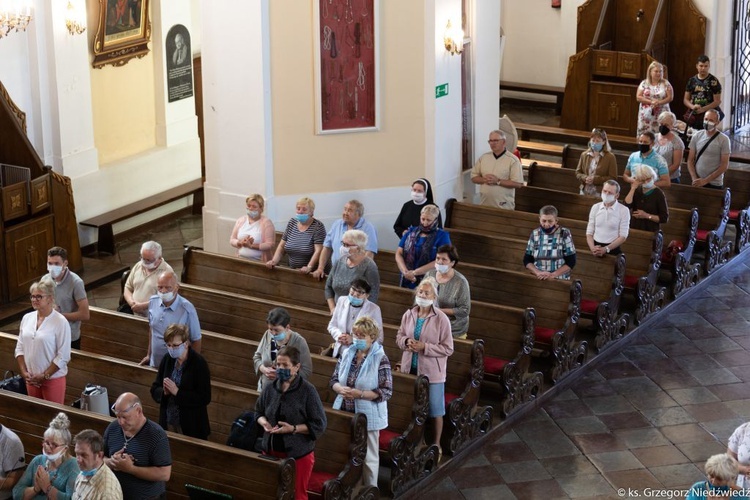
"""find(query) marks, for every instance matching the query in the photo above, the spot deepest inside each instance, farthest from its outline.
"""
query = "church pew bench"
(103, 222)
(249, 477)
(232, 274)
(528, 162)
(713, 207)
(528, 148)
(336, 461)
(533, 88)
(534, 132)
(643, 251)
(682, 226)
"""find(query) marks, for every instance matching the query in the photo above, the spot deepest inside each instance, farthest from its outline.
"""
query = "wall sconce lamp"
(453, 39)
(74, 19)
(15, 15)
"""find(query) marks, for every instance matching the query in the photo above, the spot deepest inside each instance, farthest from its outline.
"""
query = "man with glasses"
(166, 308)
(499, 173)
(352, 218)
(137, 450)
(70, 295)
(141, 283)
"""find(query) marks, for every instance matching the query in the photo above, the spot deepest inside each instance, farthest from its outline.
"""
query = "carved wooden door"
(26, 248)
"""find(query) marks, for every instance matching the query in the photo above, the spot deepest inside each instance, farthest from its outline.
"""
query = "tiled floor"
(647, 418)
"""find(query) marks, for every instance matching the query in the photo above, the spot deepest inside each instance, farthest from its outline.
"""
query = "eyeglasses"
(495, 140)
(173, 346)
(37, 297)
(348, 245)
(50, 444)
(125, 411)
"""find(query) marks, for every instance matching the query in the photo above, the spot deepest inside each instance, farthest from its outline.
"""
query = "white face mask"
(149, 266)
(166, 297)
(344, 251)
(422, 302)
(418, 197)
(709, 126)
(54, 271)
(54, 456)
(608, 198)
(442, 268)
(648, 185)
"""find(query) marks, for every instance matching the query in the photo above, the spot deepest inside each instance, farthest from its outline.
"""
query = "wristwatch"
(46, 376)
(607, 249)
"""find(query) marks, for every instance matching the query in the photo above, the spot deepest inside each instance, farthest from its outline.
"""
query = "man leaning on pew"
(165, 308)
(609, 222)
(498, 174)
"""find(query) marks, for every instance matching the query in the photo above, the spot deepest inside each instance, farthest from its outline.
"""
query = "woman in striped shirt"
(302, 240)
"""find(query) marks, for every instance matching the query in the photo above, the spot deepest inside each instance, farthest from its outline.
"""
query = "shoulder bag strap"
(705, 146)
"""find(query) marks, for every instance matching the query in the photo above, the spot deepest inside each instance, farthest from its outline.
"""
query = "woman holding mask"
(279, 335)
(596, 165)
(53, 473)
(183, 386)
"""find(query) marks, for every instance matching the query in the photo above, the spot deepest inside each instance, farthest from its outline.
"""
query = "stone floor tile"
(731, 392)
(699, 452)
(615, 460)
(640, 384)
(708, 304)
(668, 416)
(552, 446)
(618, 370)
(649, 400)
(538, 489)
(567, 409)
(581, 425)
(657, 456)
(608, 404)
(707, 412)
(741, 408)
(696, 362)
(677, 476)
(686, 433)
(684, 348)
(701, 332)
(508, 437)
(476, 477)
(719, 344)
(693, 395)
(641, 438)
(722, 429)
(517, 472)
(595, 389)
(585, 485)
(598, 443)
(507, 452)
(688, 319)
(676, 380)
(633, 479)
(487, 493)
(568, 466)
(715, 376)
(625, 420)
(736, 357)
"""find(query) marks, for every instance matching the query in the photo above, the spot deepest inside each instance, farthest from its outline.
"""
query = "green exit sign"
(441, 91)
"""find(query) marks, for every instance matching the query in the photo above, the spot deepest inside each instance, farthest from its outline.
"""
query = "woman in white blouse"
(254, 235)
(43, 347)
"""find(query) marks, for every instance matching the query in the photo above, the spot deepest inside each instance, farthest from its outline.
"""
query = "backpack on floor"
(245, 432)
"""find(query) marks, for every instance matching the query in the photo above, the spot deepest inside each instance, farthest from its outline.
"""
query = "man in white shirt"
(609, 222)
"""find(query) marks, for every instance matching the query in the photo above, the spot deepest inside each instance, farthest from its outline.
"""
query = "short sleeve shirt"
(702, 92)
(506, 167)
(653, 160)
(67, 294)
(11, 457)
(300, 245)
(338, 228)
(180, 312)
(711, 157)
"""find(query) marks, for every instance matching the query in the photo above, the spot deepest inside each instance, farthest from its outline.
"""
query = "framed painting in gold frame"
(123, 33)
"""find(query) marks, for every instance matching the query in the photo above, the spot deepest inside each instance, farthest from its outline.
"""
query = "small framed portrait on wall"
(123, 32)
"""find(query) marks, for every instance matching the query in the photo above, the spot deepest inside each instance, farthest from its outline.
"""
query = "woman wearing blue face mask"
(292, 417)
(364, 384)
(348, 308)
(647, 202)
(53, 473)
(550, 252)
(183, 386)
(596, 165)
(302, 240)
(278, 335)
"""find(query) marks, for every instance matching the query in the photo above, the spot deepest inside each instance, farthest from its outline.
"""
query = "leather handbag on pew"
(13, 383)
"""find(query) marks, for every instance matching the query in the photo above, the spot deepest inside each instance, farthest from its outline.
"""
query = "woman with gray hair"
(418, 247)
(353, 264)
(722, 472)
(669, 145)
(426, 341)
(646, 201)
(53, 473)
(43, 346)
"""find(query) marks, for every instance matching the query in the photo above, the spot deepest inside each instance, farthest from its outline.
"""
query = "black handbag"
(13, 383)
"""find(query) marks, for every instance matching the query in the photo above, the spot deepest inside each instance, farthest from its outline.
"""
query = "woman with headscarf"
(421, 196)
(418, 247)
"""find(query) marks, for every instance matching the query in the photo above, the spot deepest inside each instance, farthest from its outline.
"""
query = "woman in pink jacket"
(426, 339)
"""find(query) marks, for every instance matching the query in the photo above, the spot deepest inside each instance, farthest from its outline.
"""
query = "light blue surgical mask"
(648, 185)
(359, 344)
(177, 352)
(54, 271)
(356, 301)
(253, 214)
(89, 473)
(597, 146)
(278, 337)
(302, 218)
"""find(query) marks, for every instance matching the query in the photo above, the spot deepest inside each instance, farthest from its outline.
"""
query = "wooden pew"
(335, 459)
(527, 148)
(29, 417)
(533, 88)
(682, 226)
(229, 273)
(531, 132)
(713, 207)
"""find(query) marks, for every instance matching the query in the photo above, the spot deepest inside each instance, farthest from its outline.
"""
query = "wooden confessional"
(616, 41)
(36, 208)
